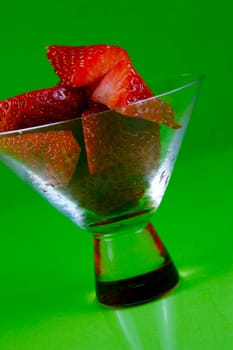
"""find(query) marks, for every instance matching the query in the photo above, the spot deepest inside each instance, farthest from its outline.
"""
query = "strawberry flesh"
(121, 86)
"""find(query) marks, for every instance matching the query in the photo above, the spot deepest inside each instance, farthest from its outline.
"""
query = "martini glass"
(114, 174)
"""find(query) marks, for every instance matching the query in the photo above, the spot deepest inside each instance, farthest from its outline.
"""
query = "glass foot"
(132, 268)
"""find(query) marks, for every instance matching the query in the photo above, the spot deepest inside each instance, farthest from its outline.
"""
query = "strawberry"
(112, 139)
(52, 155)
(84, 65)
(119, 164)
(121, 153)
(94, 108)
(109, 77)
(41, 107)
(122, 87)
(151, 109)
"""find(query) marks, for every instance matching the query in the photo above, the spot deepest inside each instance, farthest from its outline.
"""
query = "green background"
(46, 273)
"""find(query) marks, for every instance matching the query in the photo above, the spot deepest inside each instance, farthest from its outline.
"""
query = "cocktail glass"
(121, 166)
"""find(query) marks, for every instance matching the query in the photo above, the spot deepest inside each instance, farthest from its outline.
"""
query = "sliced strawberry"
(151, 109)
(110, 79)
(52, 155)
(94, 108)
(40, 107)
(112, 139)
(123, 86)
(84, 65)
(122, 154)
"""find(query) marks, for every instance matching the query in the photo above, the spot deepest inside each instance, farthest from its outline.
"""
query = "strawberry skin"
(93, 108)
(84, 65)
(122, 154)
(52, 155)
(41, 107)
(151, 109)
(112, 139)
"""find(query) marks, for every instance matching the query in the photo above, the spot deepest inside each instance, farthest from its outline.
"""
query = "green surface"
(46, 273)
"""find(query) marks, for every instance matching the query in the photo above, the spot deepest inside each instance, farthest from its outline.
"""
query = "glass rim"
(199, 79)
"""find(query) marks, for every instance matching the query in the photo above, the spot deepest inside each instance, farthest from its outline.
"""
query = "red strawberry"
(121, 160)
(110, 77)
(123, 86)
(104, 135)
(151, 109)
(41, 107)
(52, 155)
(112, 139)
(84, 65)
(94, 108)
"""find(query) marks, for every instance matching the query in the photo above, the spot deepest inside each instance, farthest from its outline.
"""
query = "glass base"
(139, 289)
(132, 268)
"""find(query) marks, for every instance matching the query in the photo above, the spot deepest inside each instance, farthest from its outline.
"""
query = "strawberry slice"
(104, 136)
(41, 107)
(52, 155)
(120, 163)
(122, 87)
(110, 77)
(93, 108)
(84, 65)
(151, 109)
(112, 139)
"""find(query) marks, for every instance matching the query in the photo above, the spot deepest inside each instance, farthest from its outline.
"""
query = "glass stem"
(132, 267)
